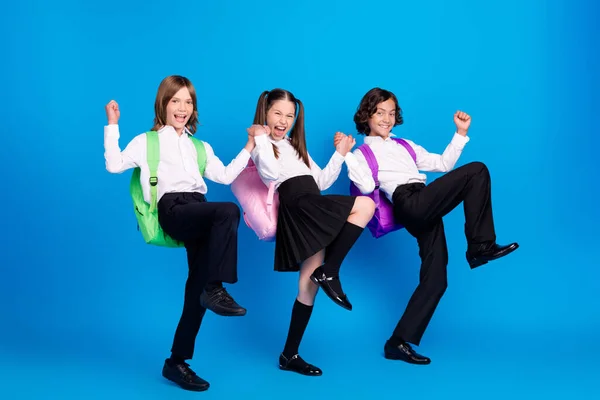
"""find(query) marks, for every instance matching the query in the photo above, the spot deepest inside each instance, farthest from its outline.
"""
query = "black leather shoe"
(221, 303)
(182, 375)
(482, 256)
(319, 278)
(297, 364)
(404, 352)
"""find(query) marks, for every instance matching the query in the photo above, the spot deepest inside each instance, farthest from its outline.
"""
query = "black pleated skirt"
(307, 221)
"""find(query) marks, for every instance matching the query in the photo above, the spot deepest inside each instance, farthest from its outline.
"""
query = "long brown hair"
(166, 90)
(297, 134)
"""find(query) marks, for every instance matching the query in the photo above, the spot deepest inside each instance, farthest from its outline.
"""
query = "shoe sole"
(233, 314)
(300, 373)
(477, 262)
(240, 313)
(191, 388)
(406, 361)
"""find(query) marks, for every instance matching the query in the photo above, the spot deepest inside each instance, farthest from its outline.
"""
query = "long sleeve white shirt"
(396, 166)
(289, 165)
(178, 167)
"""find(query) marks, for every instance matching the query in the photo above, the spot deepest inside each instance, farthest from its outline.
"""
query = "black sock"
(395, 341)
(210, 286)
(476, 248)
(340, 247)
(337, 251)
(300, 317)
(175, 359)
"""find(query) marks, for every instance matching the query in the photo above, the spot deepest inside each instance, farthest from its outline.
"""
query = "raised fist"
(112, 112)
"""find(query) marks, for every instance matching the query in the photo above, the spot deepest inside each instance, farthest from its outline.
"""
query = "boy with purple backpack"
(403, 200)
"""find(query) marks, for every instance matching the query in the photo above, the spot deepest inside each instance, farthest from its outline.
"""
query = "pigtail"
(298, 135)
(260, 116)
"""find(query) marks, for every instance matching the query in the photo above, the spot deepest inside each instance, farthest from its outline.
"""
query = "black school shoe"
(296, 364)
(182, 375)
(221, 303)
(322, 280)
(482, 256)
(404, 352)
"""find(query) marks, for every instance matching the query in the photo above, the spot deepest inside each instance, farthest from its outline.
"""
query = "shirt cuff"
(459, 140)
(111, 130)
(261, 140)
(351, 160)
(338, 157)
(243, 156)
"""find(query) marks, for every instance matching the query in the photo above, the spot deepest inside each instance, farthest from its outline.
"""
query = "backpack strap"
(201, 151)
(270, 197)
(408, 148)
(374, 166)
(271, 193)
(153, 157)
(371, 161)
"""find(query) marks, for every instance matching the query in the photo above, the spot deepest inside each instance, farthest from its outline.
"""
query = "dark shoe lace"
(188, 374)
(220, 294)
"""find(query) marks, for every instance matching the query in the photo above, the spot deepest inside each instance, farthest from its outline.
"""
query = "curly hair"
(368, 107)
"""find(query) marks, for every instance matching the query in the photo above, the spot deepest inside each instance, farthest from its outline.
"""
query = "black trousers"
(209, 232)
(420, 209)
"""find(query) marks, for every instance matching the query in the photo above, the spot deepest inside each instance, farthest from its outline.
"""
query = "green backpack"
(147, 214)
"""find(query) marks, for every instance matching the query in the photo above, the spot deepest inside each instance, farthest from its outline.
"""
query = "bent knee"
(365, 205)
(229, 211)
(478, 167)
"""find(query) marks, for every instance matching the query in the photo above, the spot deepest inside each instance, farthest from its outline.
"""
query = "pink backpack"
(259, 202)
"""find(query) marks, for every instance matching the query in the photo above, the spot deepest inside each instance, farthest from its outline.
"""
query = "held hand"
(345, 145)
(257, 130)
(337, 138)
(462, 120)
(112, 112)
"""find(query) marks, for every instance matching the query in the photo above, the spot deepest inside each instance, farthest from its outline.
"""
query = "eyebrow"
(177, 98)
(278, 110)
(384, 110)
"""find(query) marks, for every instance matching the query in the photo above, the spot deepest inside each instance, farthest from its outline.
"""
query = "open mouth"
(279, 130)
(181, 118)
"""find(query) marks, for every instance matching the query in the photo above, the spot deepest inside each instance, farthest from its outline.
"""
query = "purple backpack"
(383, 219)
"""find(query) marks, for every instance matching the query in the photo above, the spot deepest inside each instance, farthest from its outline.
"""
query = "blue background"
(87, 310)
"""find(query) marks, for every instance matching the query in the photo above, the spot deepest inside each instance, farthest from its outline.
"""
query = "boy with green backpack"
(168, 191)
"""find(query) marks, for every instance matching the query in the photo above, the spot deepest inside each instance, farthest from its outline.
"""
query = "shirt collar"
(378, 139)
(276, 142)
(170, 130)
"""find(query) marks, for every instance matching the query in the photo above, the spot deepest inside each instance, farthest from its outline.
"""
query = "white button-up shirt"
(397, 167)
(289, 165)
(178, 167)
